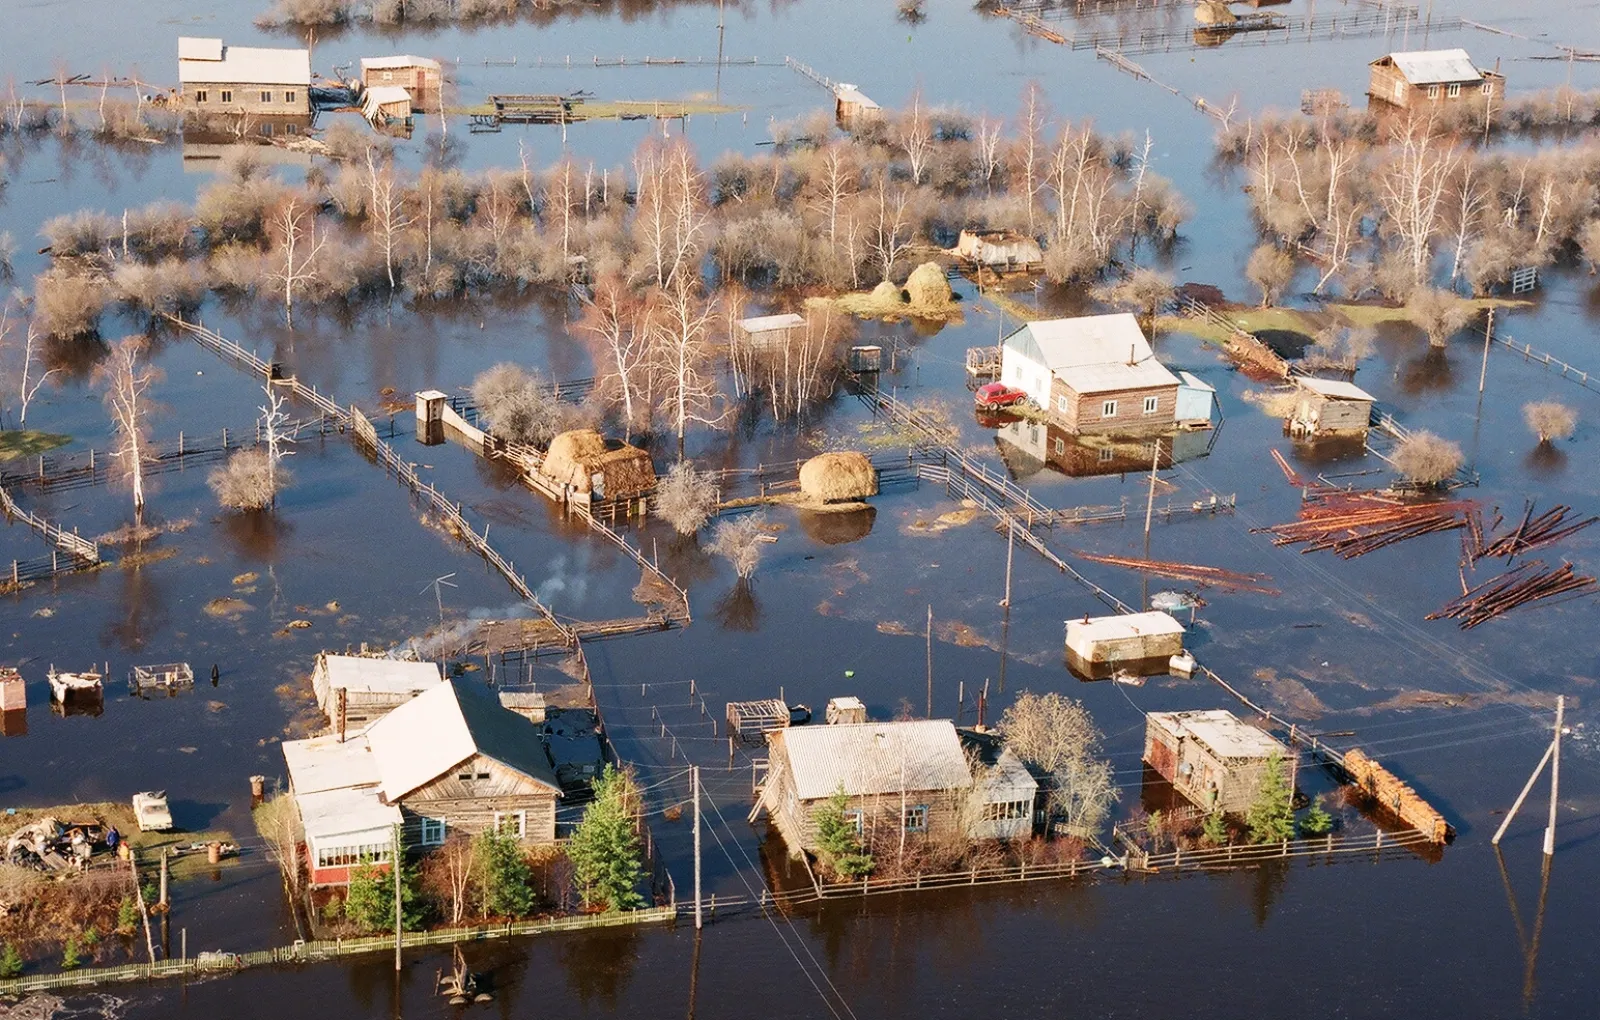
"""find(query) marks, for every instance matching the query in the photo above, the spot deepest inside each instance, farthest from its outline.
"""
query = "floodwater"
(1461, 715)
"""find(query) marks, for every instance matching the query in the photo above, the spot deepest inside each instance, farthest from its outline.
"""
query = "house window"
(1399, 91)
(1487, 89)
(1010, 811)
(201, 95)
(1061, 446)
(1061, 404)
(483, 775)
(1107, 454)
(292, 129)
(1108, 409)
(266, 95)
(388, 76)
(288, 97)
(465, 777)
(1433, 92)
(1151, 404)
(227, 95)
(1454, 90)
(266, 129)
(854, 818)
(353, 854)
(432, 831)
(511, 823)
(916, 819)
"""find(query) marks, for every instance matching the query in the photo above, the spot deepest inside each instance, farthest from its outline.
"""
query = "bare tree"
(891, 234)
(740, 542)
(1271, 269)
(989, 150)
(1030, 131)
(916, 138)
(686, 498)
(247, 480)
(294, 225)
(1427, 459)
(1439, 313)
(1055, 736)
(386, 214)
(278, 821)
(127, 381)
(681, 351)
(618, 323)
(451, 869)
(1550, 420)
(1413, 185)
(519, 407)
(29, 387)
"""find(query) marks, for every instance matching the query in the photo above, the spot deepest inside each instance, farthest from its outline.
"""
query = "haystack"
(585, 462)
(927, 286)
(886, 293)
(838, 477)
(1214, 14)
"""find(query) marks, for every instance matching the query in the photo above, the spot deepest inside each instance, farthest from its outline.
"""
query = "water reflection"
(1546, 461)
(739, 609)
(599, 967)
(75, 359)
(141, 604)
(1266, 888)
(255, 536)
(1431, 373)
(838, 528)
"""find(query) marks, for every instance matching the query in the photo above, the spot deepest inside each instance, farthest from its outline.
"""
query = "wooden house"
(1003, 250)
(770, 332)
(1328, 407)
(343, 816)
(358, 690)
(1423, 79)
(1094, 373)
(1098, 646)
(421, 77)
(852, 107)
(384, 104)
(911, 774)
(1004, 790)
(453, 759)
(1212, 758)
(217, 79)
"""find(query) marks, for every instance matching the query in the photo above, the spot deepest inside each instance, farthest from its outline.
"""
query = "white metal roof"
(764, 323)
(1093, 353)
(1128, 625)
(378, 96)
(1008, 779)
(1436, 67)
(401, 60)
(323, 763)
(1194, 382)
(1222, 732)
(379, 676)
(348, 812)
(1334, 388)
(847, 93)
(192, 48)
(847, 701)
(244, 65)
(868, 758)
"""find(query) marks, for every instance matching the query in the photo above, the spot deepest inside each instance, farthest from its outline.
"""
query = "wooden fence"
(1226, 857)
(1242, 345)
(1568, 372)
(69, 542)
(955, 879)
(332, 949)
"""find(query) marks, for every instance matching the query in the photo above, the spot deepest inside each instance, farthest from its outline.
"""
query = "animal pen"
(170, 677)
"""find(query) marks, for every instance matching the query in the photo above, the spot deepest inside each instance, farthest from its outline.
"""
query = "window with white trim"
(855, 820)
(1151, 404)
(1107, 454)
(916, 818)
(227, 95)
(353, 854)
(266, 95)
(511, 823)
(1454, 90)
(1433, 92)
(288, 97)
(432, 831)
(1487, 88)
(1061, 446)
(1399, 90)
(201, 95)
(1108, 409)
(388, 76)
(1009, 811)
(1061, 404)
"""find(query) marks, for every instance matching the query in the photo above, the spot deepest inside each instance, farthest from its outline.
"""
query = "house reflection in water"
(206, 143)
(1028, 447)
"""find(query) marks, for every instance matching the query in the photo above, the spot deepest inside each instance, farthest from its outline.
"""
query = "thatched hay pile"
(1214, 13)
(841, 477)
(578, 456)
(886, 293)
(927, 287)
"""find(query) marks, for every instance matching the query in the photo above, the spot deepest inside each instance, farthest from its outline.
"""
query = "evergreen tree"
(605, 853)
(70, 957)
(838, 844)
(505, 878)
(10, 961)
(369, 902)
(1271, 817)
(1317, 821)
(1215, 829)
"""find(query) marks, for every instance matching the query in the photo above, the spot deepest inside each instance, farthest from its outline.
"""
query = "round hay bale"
(840, 527)
(1213, 13)
(927, 286)
(838, 477)
(887, 293)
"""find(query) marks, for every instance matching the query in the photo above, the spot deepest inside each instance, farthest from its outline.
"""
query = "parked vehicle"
(998, 394)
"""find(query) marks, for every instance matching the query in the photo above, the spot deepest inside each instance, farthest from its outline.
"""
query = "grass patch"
(148, 844)
(27, 443)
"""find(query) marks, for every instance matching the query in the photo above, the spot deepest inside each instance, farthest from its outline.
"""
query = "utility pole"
(1488, 339)
(1552, 754)
(929, 713)
(1011, 541)
(1150, 501)
(694, 771)
(394, 866)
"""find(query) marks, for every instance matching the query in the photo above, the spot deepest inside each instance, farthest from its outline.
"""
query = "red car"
(997, 394)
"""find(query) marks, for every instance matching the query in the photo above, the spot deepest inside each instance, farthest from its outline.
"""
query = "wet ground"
(1461, 715)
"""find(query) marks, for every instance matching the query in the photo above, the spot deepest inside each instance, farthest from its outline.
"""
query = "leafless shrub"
(1273, 403)
(1145, 291)
(1588, 244)
(686, 497)
(246, 481)
(236, 208)
(1550, 419)
(237, 267)
(1427, 459)
(161, 230)
(1491, 259)
(1338, 348)
(8, 251)
(1439, 313)
(168, 287)
(519, 406)
(68, 304)
(80, 233)
(349, 142)
(740, 541)
(1271, 269)
(306, 13)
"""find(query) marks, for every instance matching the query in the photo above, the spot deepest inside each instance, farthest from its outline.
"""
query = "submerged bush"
(247, 481)
(686, 498)
(1427, 459)
(1550, 419)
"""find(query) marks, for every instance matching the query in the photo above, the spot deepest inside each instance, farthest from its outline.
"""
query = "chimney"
(1132, 348)
(343, 698)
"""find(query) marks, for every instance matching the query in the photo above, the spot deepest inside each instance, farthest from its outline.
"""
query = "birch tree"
(619, 325)
(294, 225)
(386, 213)
(682, 355)
(127, 381)
(916, 138)
(891, 234)
(1413, 184)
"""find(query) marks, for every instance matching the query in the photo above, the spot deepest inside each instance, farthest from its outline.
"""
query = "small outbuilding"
(771, 332)
(1004, 250)
(1422, 79)
(344, 819)
(843, 476)
(421, 77)
(1212, 757)
(1098, 646)
(1004, 792)
(589, 468)
(383, 104)
(846, 708)
(1196, 401)
(358, 690)
(851, 106)
(1328, 407)
(13, 695)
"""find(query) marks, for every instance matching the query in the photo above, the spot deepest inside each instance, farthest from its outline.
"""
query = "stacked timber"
(1214, 576)
(1355, 523)
(1532, 533)
(1521, 586)
(1396, 795)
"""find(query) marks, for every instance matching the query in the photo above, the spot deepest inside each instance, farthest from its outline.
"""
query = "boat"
(87, 684)
(799, 715)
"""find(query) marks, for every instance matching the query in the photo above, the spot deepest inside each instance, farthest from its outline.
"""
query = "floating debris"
(1520, 586)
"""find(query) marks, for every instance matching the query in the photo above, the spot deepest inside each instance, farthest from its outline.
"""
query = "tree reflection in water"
(599, 966)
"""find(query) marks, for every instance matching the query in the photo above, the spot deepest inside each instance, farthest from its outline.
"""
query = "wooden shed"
(771, 332)
(215, 78)
(383, 104)
(1098, 646)
(1328, 407)
(13, 694)
(846, 709)
(999, 249)
(421, 77)
(361, 689)
(1422, 79)
(1212, 758)
(851, 106)
(589, 468)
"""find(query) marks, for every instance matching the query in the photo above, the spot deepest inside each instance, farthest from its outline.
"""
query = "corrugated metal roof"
(402, 60)
(379, 676)
(193, 48)
(323, 763)
(869, 758)
(443, 727)
(1194, 382)
(763, 323)
(1436, 67)
(1335, 388)
(847, 93)
(345, 813)
(1128, 625)
(247, 65)
(378, 96)
(1093, 353)
(1222, 732)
